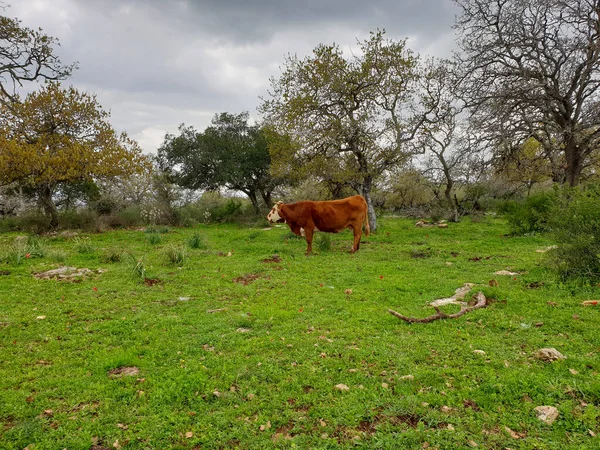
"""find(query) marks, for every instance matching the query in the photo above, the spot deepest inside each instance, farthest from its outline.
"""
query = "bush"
(532, 215)
(576, 225)
(131, 217)
(78, 220)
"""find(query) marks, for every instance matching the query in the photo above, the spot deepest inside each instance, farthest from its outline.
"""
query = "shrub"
(531, 215)
(131, 217)
(576, 226)
(78, 219)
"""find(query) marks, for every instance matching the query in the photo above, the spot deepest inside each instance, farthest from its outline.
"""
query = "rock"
(342, 387)
(549, 354)
(506, 272)
(479, 352)
(546, 414)
(442, 225)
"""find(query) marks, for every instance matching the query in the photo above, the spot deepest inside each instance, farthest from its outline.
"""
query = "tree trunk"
(370, 209)
(252, 196)
(45, 198)
(266, 195)
(448, 194)
(574, 164)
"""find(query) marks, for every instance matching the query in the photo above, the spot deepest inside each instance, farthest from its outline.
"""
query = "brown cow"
(304, 218)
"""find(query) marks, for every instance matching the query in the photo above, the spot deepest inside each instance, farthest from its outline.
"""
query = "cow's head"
(274, 215)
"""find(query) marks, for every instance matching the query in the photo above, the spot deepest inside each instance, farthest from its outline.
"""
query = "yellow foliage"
(62, 135)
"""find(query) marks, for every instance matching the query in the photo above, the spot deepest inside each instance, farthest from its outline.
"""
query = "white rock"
(549, 354)
(547, 414)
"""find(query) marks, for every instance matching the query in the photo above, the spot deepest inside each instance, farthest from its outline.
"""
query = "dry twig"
(481, 303)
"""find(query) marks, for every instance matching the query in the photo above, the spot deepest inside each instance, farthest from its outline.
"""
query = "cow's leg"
(357, 236)
(308, 233)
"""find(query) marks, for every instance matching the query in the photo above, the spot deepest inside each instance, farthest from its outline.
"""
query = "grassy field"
(228, 337)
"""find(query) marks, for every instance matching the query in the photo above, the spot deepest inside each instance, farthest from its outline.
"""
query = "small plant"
(137, 267)
(84, 246)
(175, 254)
(154, 238)
(324, 242)
(25, 248)
(57, 256)
(112, 255)
(196, 241)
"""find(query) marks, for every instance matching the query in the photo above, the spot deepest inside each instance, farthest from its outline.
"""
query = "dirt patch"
(65, 273)
(124, 371)
(471, 404)
(247, 279)
(4, 273)
(152, 281)
(283, 432)
(535, 284)
(479, 258)
(273, 259)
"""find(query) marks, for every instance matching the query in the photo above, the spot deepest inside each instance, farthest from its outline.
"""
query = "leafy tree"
(230, 153)
(61, 136)
(532, 69)
(347, 118)
(26, 55)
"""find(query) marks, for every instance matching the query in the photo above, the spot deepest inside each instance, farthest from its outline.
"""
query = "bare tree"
(531, 69)
(26, 55)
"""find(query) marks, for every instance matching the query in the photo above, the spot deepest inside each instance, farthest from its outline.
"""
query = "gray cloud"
(157, 63)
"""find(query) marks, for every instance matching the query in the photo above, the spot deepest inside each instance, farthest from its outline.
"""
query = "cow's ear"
(279, 203)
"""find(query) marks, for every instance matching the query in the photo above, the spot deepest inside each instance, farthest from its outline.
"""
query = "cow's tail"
(367, 227)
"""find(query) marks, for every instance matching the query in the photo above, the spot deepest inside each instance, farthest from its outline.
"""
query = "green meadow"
(223, 337)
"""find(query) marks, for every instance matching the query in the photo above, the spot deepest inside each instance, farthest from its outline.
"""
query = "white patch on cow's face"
(273, 215)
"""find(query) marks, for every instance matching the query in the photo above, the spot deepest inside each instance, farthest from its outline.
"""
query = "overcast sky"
(155, 64)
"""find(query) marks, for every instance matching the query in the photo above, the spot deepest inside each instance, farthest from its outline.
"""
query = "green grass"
(242, 345)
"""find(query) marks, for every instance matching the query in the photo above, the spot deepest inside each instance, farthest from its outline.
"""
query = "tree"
(26, 55)
(441, 140)
(531, 69)
(59, 136)
(526, 165)
(348, 118)
(230, 153)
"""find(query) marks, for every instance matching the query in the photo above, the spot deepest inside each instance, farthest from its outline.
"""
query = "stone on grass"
(549, 354)
(546, 414)
(342, 387)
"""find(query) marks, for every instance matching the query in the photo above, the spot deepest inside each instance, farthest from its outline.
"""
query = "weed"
(175, 254)
(137, 267)
(84, 246)
(324, 242)
(57, 255)
(154, 238)
(196, 241)
(112, 255)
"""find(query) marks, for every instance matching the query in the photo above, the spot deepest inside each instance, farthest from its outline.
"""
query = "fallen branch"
(481, 303)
